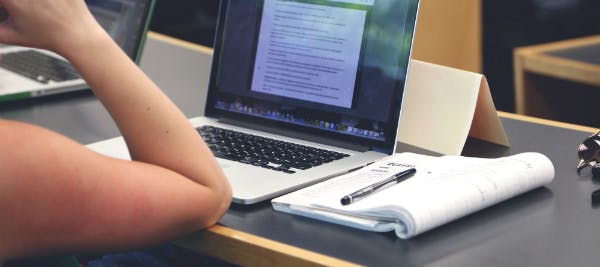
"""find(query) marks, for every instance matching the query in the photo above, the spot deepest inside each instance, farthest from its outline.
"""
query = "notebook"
(326, 76)
(27, 72)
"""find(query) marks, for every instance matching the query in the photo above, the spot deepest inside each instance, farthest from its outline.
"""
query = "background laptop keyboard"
(264, 152)
(38, 66)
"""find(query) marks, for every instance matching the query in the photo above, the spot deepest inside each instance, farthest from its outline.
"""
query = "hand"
(49, 24)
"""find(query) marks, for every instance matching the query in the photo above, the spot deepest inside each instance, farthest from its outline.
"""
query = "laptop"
(303, 90)
(27, 72)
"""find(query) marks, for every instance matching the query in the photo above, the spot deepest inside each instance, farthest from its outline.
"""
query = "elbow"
(205, 205)
(217, 205)
(223, 200)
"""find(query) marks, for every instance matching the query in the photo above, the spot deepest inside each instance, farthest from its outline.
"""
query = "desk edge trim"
(219, 241)
(548, 122)
(180, 42)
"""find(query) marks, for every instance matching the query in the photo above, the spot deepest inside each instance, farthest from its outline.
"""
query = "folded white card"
(442, 106)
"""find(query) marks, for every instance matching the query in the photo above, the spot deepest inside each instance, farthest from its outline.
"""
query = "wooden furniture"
(449, 33)
(559, 80)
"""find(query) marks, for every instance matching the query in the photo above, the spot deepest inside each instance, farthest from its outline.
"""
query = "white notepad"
(443, 189)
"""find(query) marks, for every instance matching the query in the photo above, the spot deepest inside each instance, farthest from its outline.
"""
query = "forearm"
(155, 130)
(173, 186)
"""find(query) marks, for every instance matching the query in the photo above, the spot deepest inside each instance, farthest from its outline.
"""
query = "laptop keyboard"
(38, 66)
(264, 152)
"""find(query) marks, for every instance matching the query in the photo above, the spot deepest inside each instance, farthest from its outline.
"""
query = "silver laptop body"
(258, 88)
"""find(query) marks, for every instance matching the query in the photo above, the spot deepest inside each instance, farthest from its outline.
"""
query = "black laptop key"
(264, 152)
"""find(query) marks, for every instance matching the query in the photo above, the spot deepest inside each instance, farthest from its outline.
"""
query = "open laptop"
(27, 72)
(327, 76)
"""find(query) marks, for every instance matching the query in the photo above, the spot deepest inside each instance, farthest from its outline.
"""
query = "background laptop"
(27, 72)
(327, 76)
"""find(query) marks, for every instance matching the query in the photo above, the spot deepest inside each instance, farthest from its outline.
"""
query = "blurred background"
(476, 35)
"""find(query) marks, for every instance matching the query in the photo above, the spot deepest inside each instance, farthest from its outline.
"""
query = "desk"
(559, 80)
(552, 226)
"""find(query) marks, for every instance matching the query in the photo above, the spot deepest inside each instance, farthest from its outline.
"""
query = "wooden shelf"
(559, 80)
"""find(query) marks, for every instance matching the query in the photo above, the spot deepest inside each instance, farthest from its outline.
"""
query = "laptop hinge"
(298, 135)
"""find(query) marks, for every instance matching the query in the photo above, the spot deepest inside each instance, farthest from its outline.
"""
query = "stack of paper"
(443, 189)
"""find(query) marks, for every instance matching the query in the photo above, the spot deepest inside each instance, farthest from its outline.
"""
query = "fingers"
(47, 24)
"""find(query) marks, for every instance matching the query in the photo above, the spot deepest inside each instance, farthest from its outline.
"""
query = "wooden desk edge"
(548, 122)
(559, 45)
(179, 42)
(245, 249)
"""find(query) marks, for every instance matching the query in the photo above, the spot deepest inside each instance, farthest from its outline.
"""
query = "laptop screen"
(335, 68)
(125, 20)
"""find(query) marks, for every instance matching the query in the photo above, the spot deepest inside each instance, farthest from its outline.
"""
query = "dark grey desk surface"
(551, 226)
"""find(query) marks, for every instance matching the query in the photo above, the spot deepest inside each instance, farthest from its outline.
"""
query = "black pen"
(362, 193)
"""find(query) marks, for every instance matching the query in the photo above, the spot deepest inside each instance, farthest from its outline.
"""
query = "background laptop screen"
(335, 68)
(124, 20)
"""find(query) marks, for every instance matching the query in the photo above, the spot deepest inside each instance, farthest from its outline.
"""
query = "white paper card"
(442, 106)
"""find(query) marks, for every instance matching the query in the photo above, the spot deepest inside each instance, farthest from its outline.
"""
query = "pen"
(364, 192)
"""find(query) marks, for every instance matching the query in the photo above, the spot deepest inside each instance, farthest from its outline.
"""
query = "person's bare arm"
(56, 195)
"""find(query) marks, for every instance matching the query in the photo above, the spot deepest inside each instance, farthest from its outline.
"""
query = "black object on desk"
(596, 172)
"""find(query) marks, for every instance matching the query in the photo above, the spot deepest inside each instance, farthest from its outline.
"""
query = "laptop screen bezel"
(387, 146)
(141, 32)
